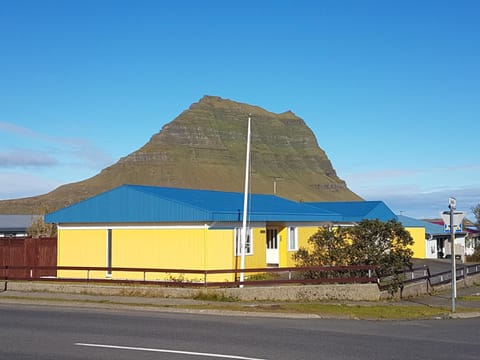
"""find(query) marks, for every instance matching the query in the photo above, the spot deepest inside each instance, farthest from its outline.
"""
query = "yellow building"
(150, 227)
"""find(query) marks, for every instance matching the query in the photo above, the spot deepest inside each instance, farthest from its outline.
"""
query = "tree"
(476, 255)
(328, 246)
(476, 212)
(370, 242)
(39, 228)
(384, 245)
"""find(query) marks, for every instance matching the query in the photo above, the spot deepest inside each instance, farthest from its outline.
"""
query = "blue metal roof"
(150, 204)
(432, 229)
(355, 211)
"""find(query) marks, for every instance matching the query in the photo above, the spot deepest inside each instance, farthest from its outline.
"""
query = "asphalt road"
(39, 332)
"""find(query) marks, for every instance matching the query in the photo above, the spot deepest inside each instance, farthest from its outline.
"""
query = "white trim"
(273, 253)
(304, 223)
(237, 234)
(130, 227)
(295, 232)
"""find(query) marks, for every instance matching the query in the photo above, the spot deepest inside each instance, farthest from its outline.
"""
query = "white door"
(272, 247)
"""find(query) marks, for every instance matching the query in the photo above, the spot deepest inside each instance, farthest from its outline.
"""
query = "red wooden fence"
(27, 251)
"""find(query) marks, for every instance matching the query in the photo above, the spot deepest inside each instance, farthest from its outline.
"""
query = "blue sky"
(390, 88)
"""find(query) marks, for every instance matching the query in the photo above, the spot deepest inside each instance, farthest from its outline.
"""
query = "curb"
(170, 306)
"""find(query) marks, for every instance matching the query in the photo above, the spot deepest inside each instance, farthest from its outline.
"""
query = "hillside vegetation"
(204, 148)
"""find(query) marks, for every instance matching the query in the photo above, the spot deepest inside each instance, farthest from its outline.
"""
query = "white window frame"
(293, 241)
(237, 236)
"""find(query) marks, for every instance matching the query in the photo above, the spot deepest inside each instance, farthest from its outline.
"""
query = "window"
(248, 242)
(292, 238)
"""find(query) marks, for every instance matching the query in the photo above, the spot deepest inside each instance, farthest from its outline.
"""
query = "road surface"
(46, 332)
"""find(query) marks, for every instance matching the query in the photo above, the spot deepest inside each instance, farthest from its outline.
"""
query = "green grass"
(469, 298)
(369, 312)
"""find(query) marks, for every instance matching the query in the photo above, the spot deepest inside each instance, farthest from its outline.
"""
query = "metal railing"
(253, 277)
(424, 274)
(196, 278)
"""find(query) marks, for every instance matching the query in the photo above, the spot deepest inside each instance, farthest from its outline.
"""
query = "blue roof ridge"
(142, 188)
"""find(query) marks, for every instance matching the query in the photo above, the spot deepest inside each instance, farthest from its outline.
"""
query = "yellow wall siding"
(155, 248)
(283, 246)
(303, 234)
(177, 248)
(259, 257)
(220, 249)
(166, 248)
(418, 247)
(220, 253)
(81, 248)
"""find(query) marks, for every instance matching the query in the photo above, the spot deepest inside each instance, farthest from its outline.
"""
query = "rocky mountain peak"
(204, 148)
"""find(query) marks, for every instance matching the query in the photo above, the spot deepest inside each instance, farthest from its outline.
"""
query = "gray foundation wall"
(347, 292)
(354, 292)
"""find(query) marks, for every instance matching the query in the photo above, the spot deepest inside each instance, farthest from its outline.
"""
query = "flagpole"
(245, 205)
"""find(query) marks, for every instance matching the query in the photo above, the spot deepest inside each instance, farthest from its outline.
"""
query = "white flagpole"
(245, 204)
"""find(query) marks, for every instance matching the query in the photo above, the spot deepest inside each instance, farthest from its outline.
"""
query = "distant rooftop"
(430, 228)
(16, 222)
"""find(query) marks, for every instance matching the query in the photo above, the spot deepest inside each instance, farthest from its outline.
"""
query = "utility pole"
(275, 179)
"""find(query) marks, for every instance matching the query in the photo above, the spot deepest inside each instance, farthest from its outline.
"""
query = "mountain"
(204, 148)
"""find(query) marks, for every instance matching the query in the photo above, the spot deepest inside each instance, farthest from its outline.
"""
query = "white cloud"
(45, 150)
(26, 158)
(34, 163)
(18, 185)
(417, 203)
(18, 130)
(420, 193)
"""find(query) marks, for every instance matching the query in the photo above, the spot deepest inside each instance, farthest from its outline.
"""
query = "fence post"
(205, 278)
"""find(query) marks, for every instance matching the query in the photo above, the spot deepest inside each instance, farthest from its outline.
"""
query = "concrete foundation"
(353, 292)
(346, 292)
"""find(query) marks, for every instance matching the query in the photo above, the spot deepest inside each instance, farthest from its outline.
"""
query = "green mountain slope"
(204, 148)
